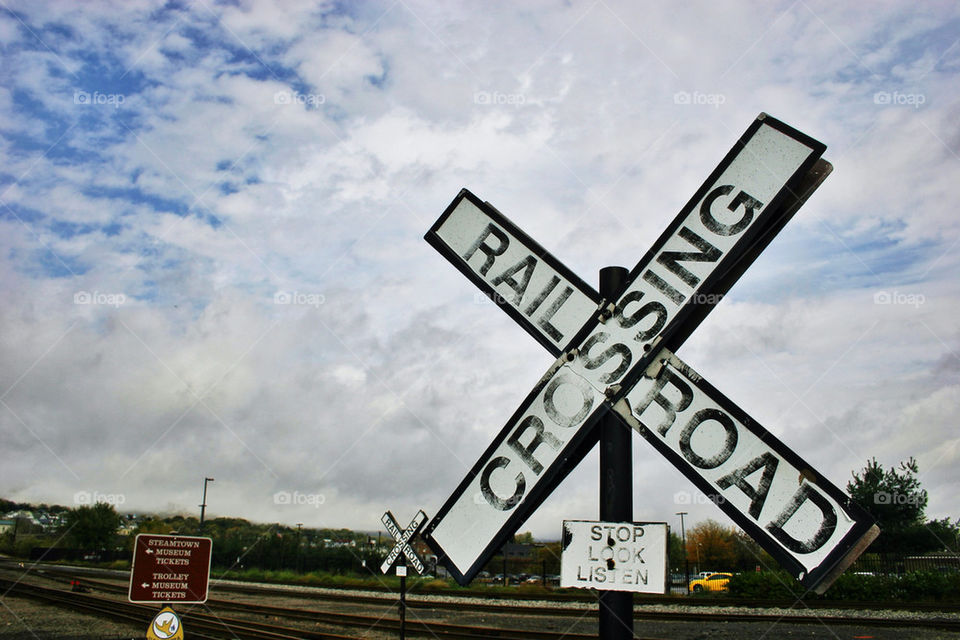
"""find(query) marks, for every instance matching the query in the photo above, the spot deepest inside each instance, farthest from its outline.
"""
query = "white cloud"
(204, 195)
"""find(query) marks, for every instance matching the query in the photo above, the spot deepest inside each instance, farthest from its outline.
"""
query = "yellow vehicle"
(713, 582)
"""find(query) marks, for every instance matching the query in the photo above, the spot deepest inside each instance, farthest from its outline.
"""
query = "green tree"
(897, 501)
(548, 556)
(148, 525)
(675, 552)
(93, 527)
(893, 497)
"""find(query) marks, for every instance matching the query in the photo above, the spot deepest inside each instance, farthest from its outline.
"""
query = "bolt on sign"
(610, 351)
(173, 569)
(614, 556)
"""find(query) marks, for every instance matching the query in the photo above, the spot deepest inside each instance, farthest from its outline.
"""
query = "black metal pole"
(403, 600)
(616, 485)
(299, 527)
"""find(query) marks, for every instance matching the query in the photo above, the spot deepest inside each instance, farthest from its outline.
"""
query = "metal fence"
(897, 565)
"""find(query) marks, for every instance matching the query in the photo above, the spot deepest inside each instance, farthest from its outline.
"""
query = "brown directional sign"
(170, 569)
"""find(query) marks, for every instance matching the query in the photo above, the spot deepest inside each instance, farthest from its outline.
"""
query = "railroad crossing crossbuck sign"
(403, 539)
(619, 355)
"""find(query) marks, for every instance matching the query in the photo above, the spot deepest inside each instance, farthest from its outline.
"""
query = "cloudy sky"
(212, 259)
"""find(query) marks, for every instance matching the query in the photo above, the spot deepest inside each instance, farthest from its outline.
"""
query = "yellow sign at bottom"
(165, 626)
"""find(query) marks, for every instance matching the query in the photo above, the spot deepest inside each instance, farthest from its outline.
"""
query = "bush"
(930, 585)
(858, 586)
(910, 587)
(764, 584)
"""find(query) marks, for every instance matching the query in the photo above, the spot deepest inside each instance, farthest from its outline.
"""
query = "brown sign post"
(170, 569)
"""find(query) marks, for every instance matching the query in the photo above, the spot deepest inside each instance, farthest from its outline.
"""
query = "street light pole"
(299, 526)
(686, 558)
(699, 568)
(203, 507)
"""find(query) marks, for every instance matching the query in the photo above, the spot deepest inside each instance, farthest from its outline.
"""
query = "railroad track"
(464, 631)
(686, 601)
(639, 612)
(200, 625)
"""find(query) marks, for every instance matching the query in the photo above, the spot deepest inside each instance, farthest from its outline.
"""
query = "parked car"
(713, 582)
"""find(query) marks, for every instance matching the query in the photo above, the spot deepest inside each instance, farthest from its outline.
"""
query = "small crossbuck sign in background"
(403, 538)
(619, 355)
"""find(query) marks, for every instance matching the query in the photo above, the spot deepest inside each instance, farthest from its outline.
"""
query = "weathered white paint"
(573, 389)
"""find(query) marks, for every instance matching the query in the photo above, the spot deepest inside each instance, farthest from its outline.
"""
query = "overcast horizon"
(213, 260)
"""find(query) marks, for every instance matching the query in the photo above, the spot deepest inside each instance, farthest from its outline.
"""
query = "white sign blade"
(550, 431)
(614, 556)
(726, 215)
(520, 276)
(805, 522)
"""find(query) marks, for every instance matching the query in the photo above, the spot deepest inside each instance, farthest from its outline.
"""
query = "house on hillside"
(24, 515)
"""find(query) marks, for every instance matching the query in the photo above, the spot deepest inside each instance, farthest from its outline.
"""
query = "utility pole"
(203, 507)
(299, 526)
(616, 485)
(686, 560)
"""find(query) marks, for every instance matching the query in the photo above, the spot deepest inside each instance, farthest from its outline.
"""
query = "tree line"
(893, 496)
